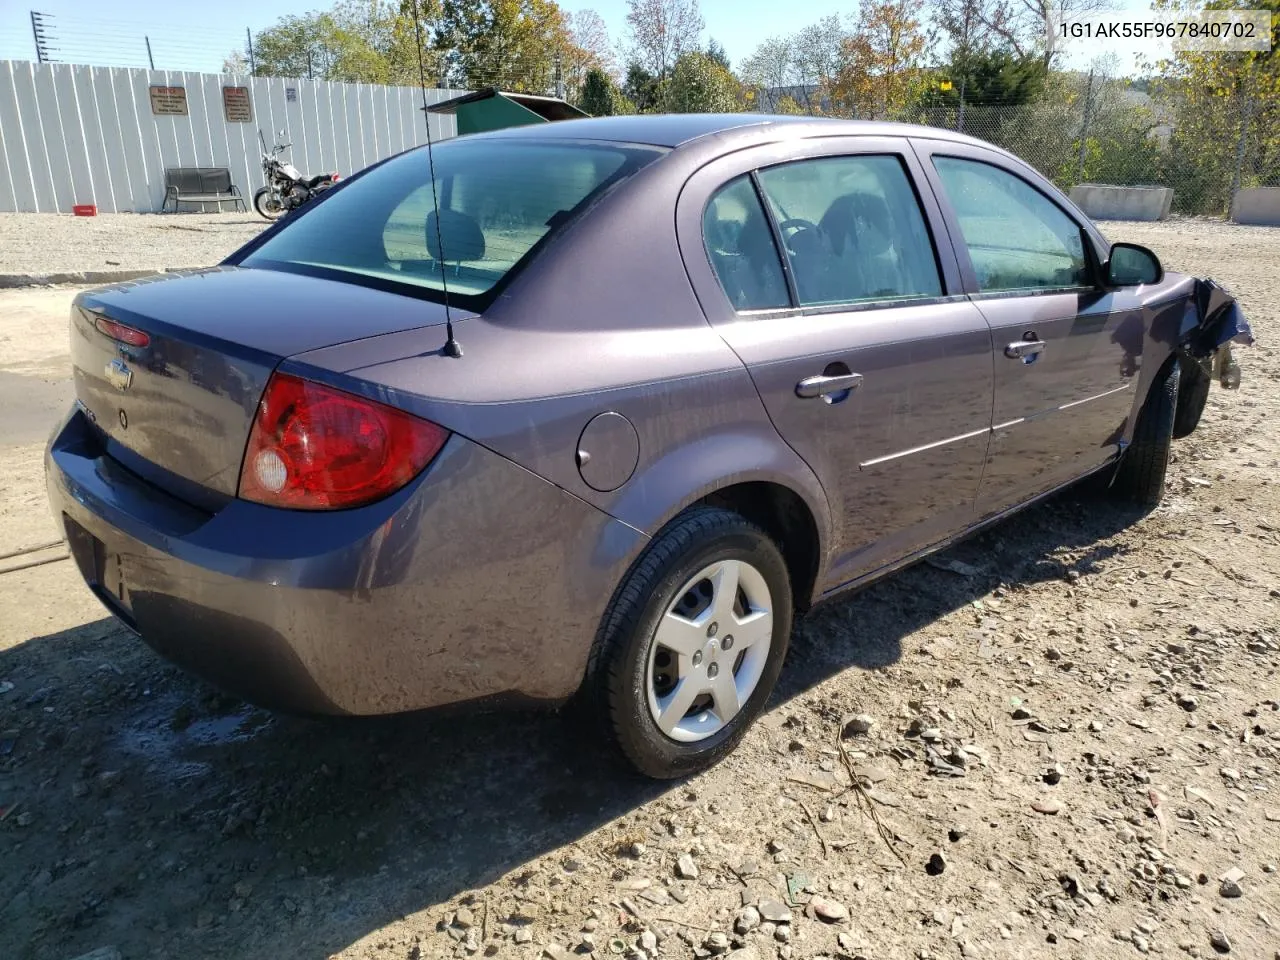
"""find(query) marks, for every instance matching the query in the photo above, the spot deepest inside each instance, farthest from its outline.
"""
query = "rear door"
(818, 265)
(1067, 352)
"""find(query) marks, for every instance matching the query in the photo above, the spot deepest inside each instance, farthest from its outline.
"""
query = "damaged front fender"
(1218, 323)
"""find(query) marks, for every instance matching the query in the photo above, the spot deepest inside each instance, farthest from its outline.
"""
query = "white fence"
(72, 134)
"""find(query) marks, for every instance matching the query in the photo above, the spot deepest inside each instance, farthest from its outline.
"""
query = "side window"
(1017, 238)
(853, 229)
(740, 244)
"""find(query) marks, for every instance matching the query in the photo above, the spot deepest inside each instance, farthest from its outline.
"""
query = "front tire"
(1145, 462)
(267, 202)
(1193, 394)
(692, 643)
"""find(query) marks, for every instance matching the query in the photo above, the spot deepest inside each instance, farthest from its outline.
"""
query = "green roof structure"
(494, 109)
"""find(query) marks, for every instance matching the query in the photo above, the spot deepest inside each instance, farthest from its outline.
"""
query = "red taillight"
(118, 331)
(316, 448)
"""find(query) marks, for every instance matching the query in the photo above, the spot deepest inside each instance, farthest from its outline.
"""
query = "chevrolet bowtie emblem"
(119, 375)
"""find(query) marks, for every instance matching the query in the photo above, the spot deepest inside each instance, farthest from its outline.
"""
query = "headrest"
(463, 238)
(862, 217)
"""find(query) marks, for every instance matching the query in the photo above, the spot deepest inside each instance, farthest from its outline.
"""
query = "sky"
(183, 38)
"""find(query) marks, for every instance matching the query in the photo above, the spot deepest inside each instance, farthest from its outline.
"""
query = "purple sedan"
(602, 407)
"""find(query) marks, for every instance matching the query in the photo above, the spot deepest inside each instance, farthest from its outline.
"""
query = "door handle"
(1024, 349)
(811, 387)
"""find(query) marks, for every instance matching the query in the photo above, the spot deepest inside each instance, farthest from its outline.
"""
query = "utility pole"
(253, 67)
(42, 39)
(1084, 128)
(559, 78)
(150, 59)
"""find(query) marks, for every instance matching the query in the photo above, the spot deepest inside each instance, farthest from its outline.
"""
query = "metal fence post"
(1241, 143)
(1084, 130)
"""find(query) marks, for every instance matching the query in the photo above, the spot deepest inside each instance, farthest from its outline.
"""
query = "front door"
(1066, 351)
(820, 271)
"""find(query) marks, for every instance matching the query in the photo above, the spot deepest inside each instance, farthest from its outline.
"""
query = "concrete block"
(1106, 202)
(1259, 205)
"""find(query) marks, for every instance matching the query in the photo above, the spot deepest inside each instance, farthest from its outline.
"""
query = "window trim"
(931, 150)
(796, 308)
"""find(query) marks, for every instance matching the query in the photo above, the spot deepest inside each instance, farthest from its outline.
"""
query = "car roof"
(673, 130)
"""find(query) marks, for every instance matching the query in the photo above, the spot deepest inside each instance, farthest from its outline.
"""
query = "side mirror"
(1130, 265)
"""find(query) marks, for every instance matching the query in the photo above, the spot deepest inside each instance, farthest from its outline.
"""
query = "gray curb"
(14, 280)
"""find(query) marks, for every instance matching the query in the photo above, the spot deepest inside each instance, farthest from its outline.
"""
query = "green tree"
(1226, 113)
(642, 88)
(599, 95)
(511, 44)
(700, 84)
(717, 52)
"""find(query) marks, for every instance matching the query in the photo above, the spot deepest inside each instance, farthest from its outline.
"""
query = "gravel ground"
(49, 243)
(1068, 746)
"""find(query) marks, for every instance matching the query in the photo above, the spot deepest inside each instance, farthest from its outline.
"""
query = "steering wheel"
(796, 226)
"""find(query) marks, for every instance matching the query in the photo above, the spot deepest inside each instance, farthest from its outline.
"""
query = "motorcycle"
(287, 189)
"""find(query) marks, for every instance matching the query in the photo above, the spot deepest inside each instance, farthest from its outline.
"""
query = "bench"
(200, 185)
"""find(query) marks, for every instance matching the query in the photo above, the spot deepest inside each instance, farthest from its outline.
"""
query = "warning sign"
(169, 101)
(236, 106)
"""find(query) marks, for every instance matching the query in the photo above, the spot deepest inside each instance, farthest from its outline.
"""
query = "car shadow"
(167, 819)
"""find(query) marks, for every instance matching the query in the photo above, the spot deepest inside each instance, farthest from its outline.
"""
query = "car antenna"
(451, 346)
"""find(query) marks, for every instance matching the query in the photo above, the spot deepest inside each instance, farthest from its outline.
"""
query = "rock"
(1140, 942)
(553, 951)
(937, 863)
(686, 869)
(1230, 773)
(636, 850)
(717, 942)
(1235, 875)
(859, 725)
(1053, 654)
(1230, 889)
(783, 933)
(464, 918)
(775, 911)
(648, 941)
(1047, 807)
(1218, 940)
(829, 911)
(523, 935)
(828, 814)
(748, 919)
(1188, 703)
(1053, 775)
(1022, 713)
(957, 832)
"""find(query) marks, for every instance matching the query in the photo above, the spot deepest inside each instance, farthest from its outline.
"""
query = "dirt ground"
(1072, 740)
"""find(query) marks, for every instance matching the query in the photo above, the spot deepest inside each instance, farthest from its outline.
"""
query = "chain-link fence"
(1126, 138)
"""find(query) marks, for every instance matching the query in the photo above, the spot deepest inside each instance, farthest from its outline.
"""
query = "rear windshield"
(498, 200)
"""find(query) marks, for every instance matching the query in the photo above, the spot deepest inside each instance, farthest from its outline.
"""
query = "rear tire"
(676, 594)
(1144, 463)
(1193, 393)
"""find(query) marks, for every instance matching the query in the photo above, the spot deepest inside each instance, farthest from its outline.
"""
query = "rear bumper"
(478, 580)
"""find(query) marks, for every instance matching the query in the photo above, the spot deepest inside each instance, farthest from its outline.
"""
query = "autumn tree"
(882, 60)
(1027, 26)
(357, 41)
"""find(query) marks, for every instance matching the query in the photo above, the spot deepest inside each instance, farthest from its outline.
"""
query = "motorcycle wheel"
(267, 202)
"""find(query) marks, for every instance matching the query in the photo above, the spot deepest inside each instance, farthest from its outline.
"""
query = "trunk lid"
(179, 409)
